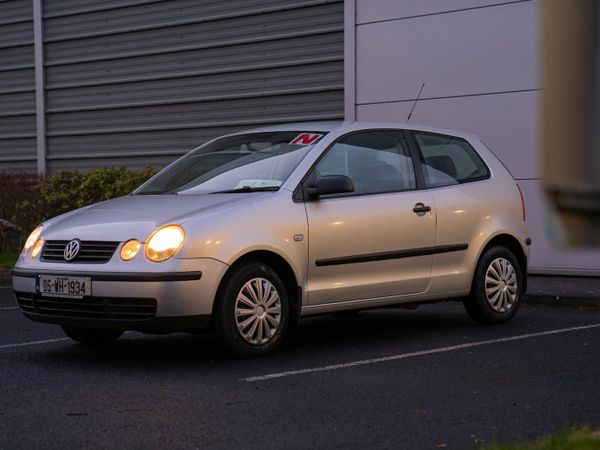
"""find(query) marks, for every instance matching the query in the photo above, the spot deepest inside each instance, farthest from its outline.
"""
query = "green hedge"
(26, 199)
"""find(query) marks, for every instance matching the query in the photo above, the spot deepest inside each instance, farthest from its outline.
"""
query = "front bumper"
(180, 298)
(138, 314)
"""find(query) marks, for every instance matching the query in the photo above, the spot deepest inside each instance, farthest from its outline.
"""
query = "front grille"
(108, 308)
(96, 252)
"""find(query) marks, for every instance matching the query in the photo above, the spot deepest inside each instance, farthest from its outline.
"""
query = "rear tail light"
(522, 201)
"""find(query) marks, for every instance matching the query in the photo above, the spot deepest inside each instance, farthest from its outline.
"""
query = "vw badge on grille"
(72, 249)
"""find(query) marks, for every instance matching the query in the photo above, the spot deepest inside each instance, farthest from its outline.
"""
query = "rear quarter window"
(448, 160)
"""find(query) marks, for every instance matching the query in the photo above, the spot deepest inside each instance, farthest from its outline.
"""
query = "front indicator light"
(33, 237)
(164, 243)
(130, 249)
(37, 247)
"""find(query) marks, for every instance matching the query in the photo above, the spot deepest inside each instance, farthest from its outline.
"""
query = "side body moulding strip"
(382, 256)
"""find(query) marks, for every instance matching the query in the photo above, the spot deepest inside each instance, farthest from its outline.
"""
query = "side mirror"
(331, 184)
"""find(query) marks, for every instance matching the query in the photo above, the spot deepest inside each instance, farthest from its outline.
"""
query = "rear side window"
(448, 160)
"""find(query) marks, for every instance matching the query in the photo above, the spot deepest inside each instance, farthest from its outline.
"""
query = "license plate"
(56, 286)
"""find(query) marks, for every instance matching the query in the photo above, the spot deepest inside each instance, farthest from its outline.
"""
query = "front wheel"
(497, 287)
(252, 311)
(92, 336)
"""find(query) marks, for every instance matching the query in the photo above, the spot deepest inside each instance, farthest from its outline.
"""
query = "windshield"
(240, 163)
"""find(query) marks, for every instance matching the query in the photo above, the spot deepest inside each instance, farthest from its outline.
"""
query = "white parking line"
(9, 307)
(433, 351)
(5, 287)
(24, 344)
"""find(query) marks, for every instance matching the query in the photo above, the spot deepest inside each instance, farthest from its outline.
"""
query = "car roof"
(341, 127)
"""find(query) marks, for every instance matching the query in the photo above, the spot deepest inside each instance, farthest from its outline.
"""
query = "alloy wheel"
(501, 285)
(257, 311)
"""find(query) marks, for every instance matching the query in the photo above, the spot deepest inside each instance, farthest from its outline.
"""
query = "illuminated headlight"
(33, 237)
(37, 247)
(130, 249)
(164, 243)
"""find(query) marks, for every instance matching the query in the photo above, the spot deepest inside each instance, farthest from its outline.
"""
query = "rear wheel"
(252, 311)
(92, 336)
(497, 287)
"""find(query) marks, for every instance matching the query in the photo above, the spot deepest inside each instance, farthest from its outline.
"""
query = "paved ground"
(442, 380)
(563, 290)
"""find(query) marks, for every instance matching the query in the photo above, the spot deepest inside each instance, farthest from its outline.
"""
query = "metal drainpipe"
(40, 94)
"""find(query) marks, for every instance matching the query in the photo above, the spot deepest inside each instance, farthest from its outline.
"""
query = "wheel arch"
(511, 243)
(280, 265)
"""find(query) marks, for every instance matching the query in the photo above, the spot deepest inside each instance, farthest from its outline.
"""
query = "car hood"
(136, 216)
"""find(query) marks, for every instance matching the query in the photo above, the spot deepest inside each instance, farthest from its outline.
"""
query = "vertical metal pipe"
(40, 94)
(350, 60)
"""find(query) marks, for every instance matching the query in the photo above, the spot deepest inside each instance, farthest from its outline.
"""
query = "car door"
(376, 241)
(453, 172)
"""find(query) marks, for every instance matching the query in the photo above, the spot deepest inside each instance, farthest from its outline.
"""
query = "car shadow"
(377, 332)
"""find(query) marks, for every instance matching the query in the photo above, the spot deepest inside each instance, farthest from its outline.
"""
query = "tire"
(92, 336)
(497, 287)
(252, 311)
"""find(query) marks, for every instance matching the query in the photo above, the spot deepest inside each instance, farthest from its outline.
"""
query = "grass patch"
(8, 260)
(582, 439)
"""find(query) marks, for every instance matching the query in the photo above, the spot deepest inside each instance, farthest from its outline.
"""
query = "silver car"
(251, 231)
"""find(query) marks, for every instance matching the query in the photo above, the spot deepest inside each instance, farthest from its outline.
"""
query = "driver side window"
(375, 161)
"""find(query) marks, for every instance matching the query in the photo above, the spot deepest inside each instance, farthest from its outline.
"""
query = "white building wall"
(480, 64)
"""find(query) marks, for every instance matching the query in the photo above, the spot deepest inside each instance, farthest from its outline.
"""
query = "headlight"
(130, 249)
(35, 234)
(37, 247)
(164, 243)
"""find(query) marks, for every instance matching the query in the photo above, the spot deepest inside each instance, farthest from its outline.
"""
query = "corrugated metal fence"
(17, 86)
(139, 82)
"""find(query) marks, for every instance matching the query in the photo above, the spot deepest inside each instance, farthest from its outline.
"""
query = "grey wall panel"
(293, 51)
(189, 115)
(55, 8)
(18, 33)
(378, 10)
(15, 11)
(167, 143)
(16, 125)
(274, 25)
(137, 82)
(20, 79)
(17, 101)
(546, 254)
(148, 80)
(193, 88)
(18, 165)
(16, 149)
(134, 162)
(16, 57)
(507, 123)
(158, 15)
(492, 49)
(479, 60)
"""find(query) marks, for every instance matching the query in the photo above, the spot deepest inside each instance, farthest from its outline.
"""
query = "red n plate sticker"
(306, 139)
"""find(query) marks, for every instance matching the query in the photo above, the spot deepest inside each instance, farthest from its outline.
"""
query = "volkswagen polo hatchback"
(251, 231)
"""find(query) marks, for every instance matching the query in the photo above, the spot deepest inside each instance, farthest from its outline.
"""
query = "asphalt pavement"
(402, 379)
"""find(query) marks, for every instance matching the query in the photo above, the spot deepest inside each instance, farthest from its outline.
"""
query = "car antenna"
(415, 103)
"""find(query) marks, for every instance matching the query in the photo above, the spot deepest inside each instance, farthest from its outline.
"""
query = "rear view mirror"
(331, 184)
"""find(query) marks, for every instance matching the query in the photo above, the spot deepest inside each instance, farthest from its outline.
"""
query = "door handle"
(420, 208)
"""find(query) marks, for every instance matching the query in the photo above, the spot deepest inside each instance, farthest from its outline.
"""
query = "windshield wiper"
(157, 192)
(245, 189)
